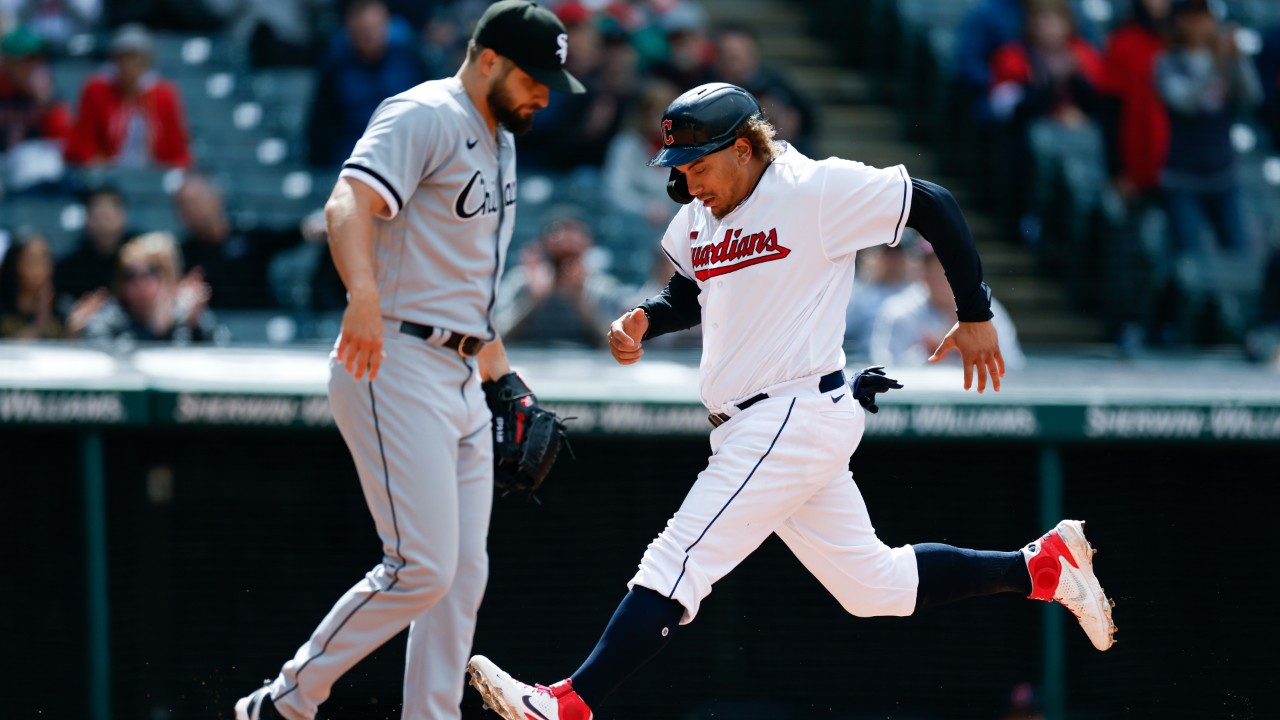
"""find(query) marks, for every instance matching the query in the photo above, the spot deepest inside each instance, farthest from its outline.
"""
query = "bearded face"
(511, 113)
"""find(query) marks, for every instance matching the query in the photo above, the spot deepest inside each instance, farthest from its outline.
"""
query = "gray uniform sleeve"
(401, 146)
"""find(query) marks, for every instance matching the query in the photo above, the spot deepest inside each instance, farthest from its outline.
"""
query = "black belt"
(466, 345)
(827, 383)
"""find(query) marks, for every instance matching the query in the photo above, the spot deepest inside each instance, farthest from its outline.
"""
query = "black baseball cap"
(533, 38)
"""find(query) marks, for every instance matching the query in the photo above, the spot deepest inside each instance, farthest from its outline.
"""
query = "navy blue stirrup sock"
(950, 573)
(639, 628)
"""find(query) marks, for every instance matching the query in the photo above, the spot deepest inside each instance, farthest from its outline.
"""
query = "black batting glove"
(867, 383)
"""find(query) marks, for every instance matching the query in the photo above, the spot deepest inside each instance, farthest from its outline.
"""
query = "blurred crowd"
(1089, 135)
(1115, 150)
(580, 257)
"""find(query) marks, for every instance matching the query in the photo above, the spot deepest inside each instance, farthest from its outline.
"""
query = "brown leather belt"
(466, 345)
(826, 383)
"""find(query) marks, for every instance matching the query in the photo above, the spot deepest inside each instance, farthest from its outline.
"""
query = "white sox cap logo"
(563, 41)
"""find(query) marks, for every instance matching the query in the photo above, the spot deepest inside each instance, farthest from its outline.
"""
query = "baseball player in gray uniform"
(764, 254)
(419, 223)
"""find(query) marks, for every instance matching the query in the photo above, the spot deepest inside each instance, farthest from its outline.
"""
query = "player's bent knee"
(885, 586)
(888, 600)
(423, 581)
(869, 610)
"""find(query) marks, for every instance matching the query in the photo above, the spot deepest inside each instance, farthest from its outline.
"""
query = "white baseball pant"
(782, 466)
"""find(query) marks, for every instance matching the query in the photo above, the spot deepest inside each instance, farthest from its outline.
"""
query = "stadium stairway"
(854, 123)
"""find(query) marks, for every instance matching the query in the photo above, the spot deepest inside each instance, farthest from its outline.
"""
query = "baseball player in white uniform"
(764, 255)
(419, 224)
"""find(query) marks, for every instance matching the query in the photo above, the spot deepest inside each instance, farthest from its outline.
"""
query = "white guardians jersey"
(776, 273)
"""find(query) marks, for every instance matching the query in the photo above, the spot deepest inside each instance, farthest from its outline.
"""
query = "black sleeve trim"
(675, 308)
(936, 215)
(897, 228)
(379, 178)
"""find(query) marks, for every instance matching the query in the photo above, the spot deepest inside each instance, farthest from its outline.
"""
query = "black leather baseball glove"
(867, 383)
(526, 437)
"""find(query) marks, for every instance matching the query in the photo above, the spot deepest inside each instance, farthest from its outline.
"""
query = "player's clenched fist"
(624, 336)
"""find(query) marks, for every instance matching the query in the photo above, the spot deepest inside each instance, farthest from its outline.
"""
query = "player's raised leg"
(1061, 567)
(833, 537)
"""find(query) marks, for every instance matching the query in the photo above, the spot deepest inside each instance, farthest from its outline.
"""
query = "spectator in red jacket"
(1044, 87)
(1128, 75)
(129, 115)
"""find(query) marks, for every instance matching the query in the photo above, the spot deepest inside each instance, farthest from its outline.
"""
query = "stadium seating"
(69, 75)
(285, 95)
(255, 327)
(248, 132)
(60, 218)
(916, 41)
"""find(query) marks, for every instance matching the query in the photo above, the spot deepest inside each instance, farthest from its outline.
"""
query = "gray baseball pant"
(420, 438)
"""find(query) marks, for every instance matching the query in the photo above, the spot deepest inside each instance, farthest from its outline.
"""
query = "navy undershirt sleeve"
(675, 308)
(936, 215)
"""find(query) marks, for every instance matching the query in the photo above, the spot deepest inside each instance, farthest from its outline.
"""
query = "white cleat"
(256, 706)
(1061, 566)
(514, 700)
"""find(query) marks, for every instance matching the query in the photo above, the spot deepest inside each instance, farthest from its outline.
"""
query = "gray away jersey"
(440, 246)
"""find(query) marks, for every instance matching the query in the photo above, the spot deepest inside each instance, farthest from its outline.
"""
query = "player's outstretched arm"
(936, 215)
(349, 212)
(625, 335)
(979, 349)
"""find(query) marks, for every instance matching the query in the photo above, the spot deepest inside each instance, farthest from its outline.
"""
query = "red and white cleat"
(514, 700)
(1061, 566)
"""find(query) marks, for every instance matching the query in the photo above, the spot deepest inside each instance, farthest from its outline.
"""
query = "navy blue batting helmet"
(702, 121)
